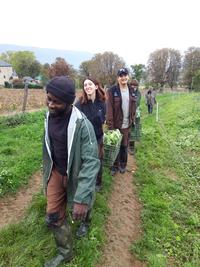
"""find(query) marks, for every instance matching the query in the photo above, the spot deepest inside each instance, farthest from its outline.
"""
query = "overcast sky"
(130, 28)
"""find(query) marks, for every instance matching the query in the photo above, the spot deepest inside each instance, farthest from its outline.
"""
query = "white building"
(6, 72)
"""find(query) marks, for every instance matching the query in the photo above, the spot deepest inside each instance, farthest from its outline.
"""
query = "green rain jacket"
(83, 162)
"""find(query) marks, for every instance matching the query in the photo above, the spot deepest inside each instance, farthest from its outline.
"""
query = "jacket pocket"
(117, 102)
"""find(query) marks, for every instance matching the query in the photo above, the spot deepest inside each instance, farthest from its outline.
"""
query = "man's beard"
(61, 112)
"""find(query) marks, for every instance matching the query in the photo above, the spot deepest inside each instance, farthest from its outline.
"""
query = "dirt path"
(123, 225)
(13, 207)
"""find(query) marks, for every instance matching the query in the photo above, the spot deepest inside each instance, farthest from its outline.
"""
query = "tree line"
(165, 67)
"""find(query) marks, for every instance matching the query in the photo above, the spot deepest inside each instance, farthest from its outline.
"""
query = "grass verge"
(20, 150)
(168, 181)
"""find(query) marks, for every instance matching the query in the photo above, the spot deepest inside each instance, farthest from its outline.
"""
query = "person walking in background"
(70, 164)
(120, 114)
(92, 104)
(150, 100)
(135, 130)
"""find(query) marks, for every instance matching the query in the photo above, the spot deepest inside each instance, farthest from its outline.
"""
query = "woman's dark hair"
(100, 93)
(134, 83)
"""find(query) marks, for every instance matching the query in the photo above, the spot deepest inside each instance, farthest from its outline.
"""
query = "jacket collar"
(75, 115)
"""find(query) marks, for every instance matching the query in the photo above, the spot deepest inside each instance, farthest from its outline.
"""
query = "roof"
(27, 78)
(4, 64)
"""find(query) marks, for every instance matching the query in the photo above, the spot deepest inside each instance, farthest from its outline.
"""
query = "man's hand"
(80, 211)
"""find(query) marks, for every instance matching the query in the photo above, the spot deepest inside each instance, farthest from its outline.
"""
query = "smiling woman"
(92, 103)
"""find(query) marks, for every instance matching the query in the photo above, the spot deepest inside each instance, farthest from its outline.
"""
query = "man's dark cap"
(122, 71)
(63, 88)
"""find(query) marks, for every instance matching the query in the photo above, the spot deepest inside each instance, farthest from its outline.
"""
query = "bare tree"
(163, 67)
(191, 64)
(173, 67)
(61, 67)
(157, 65)
(103, 67)
(85, 68)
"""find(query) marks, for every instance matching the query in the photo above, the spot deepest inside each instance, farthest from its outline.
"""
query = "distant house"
(6, 72)
(27, 79)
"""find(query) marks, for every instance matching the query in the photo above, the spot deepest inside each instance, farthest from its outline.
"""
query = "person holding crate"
(120, 114)
(70, 164)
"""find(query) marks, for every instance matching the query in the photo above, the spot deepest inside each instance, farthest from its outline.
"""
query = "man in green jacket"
(70, 164)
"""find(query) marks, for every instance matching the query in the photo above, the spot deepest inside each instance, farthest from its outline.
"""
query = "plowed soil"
(11, 100)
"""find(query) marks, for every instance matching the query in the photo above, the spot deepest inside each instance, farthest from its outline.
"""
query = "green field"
(167, 180)
(20, 150)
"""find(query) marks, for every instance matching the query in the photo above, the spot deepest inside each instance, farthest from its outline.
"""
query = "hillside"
(48, 55)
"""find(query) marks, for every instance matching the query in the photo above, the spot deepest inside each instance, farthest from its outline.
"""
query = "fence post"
(156, 111)
(25, 96)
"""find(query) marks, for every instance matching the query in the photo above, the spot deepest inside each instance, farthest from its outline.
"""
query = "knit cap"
(63, 88)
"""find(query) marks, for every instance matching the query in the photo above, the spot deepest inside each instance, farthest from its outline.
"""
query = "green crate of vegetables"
(112, 140)
(136, 131)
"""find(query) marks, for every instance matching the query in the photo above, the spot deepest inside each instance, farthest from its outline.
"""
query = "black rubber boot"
(63, 238)
(84, 226)
(131, 147)
(114, 170)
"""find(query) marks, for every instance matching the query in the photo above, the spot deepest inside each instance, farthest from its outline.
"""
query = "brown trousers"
(56, 199)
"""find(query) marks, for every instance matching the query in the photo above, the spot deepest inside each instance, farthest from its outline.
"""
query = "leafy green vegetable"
(112, 137)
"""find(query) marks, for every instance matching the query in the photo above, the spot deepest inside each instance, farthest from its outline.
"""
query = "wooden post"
(25, 97)
(157, 111)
